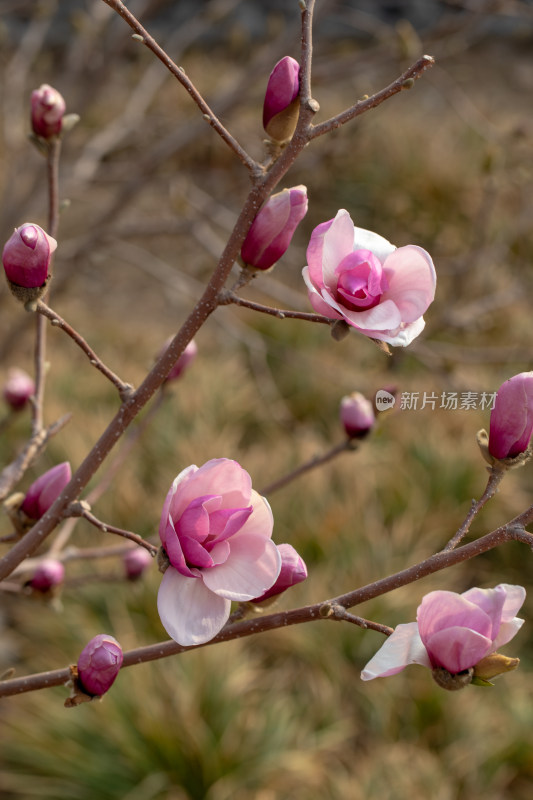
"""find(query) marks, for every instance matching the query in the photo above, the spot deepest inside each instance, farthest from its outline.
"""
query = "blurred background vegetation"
(153, 194)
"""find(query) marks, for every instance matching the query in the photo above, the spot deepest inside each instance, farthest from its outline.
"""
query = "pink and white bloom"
(99, 664)
(216, 531)
(281, 106)
(27, 254)
(359, 276)
(453, 631)
(272, 230)
(293, 571)
(18, 388)
(47, 110)
(357, 415)
(511, 419)
(45, 490)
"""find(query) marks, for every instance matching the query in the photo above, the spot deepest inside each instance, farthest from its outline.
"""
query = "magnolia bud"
(493, 665)
(18, 388)
(281, 106)
(293, 571)
(47, 109)
(136, 562)
(272, 230)
(99, 664)
(45, 490)
(357, 415)
(511, 419)
(26, 258)
(49, 573)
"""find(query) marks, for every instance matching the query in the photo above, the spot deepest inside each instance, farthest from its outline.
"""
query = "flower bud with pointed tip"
(26, 256)
(272, 230)
(493, 665)
(281, 106)
(18, 388)
(47, 110)
(136, 561)
(293, 571)
(99, 664)
(49, 573)
(511, 419)
(45, 490)
(357, 415)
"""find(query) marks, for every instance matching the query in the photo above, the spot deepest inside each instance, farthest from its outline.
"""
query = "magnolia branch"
(495, 477)
(316, 461)
(327, 610)
(179, 73)
(80, 510)
(402, 83)
(226, 297)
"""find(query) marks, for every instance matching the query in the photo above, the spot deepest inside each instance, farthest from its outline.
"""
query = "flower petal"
(191, 614)
(442, 610)
(252, 568)
(316, 300)
(457, 648)
(220, 476)
(329, 243)
(403, 647)
(368, 240)
(412, 280)
(260, 523)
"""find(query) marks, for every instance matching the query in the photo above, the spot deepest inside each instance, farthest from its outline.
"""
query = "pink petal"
(260, 523)
(252, 568)
(511, 419)
(329, 243)
(316, 300)
(441, 610)
(457, 648)
(508, 631)
(491, 601)
(220, 476)
(412, 281)
(403, 647)
(514, 600)
(368, 240)
(190, 613)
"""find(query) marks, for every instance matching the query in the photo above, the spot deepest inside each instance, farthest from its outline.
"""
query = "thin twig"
(227, 297)
(124, 389)
(316, 461)
(402, 83)
(78, 510)
(495, 476)
(179, 73)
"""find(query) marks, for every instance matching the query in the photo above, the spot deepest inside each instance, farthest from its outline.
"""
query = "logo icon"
(384, 400)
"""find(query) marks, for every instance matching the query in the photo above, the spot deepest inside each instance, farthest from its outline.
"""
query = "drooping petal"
(403, 647)
(412, 280)
(191, 614)
(457, 648)
(253, 567)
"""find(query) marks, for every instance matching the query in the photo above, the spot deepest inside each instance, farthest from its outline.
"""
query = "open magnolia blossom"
(453, 631)
(359, 276)
(216, 531)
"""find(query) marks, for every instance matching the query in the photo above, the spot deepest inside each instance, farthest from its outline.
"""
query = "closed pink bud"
(357, 415)
(293, 571)
(47, 110)
(281, 106)
(18, 388)
(511, 419)
(273, 228)
(48, 574)
(99, 664)
(136, 562)
(183, 362)
(45, 490)
(26, 256)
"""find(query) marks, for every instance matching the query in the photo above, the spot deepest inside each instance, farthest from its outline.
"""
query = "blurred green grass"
(285, 715)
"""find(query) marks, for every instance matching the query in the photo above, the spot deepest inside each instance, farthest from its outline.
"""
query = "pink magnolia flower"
(281, 107)
(26, 256)
(99, 664)
(452, 631)
(45, 490)
(18, 388)
(272, 230)
(293, 571)
(48, 574)
(357, 415)
(216, 531)
(359, 276)
(47, 110)
(511, 419)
